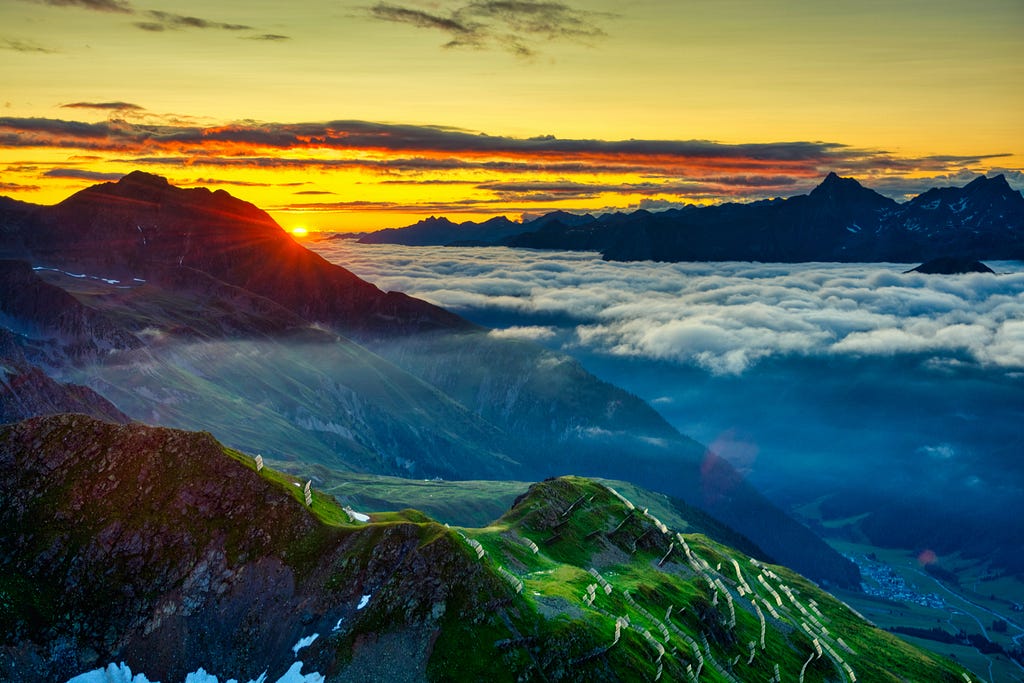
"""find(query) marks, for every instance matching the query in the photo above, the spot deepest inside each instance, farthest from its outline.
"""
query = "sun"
(300, 231)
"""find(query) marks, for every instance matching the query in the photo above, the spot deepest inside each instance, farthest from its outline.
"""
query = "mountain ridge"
(838, 220)
(164, 550)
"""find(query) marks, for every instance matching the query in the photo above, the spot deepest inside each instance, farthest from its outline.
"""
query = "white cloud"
(531, 332)
(724, 317)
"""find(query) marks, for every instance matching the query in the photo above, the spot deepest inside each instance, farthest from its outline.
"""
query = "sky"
(341, 115)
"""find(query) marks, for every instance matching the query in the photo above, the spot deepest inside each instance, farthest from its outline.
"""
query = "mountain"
(241, 331)
(27, 391)
(441, 231)
(951, 265)
(166, 552)
(840, 220)
(143, 227)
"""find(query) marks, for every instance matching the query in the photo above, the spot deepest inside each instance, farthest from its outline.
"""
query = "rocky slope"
(166, 551)
(27, 391)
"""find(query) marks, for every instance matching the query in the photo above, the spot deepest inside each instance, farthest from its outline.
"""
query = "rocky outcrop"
(951, 265)
(155, 547)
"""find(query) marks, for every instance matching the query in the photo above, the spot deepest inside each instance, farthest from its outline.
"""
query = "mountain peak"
(144, 178)
(833, 181)
(836, 190)
(996, 183)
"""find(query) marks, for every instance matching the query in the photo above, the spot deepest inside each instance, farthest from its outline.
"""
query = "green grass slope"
(168, 551)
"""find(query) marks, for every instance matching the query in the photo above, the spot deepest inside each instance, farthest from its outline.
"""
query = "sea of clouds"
(722, 317)
(879, 391)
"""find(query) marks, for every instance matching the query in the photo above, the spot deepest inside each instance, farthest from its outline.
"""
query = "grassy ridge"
(660, 582)
(672, 590)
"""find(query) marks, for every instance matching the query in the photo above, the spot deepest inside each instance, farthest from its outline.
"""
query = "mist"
(842, 391)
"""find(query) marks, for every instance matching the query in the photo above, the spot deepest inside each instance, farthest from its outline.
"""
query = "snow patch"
(201, 676)
(112, 674)
(337, 627)
(295, 675)
(359, 516)
(304, 642)
(122, 674)
(363, 602)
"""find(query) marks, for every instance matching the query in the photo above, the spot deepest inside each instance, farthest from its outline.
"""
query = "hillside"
(168, 552)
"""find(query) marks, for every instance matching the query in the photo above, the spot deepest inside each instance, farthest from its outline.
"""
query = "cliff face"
(27, 391)
(152, 546)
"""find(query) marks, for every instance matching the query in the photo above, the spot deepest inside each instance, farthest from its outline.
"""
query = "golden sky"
(342, 115)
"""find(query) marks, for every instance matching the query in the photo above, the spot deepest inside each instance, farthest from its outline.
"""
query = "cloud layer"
(500, 174)
(723, 317)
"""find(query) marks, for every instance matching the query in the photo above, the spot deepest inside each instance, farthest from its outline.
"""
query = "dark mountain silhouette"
(441, 231)
(840, 220)
(143, 227)
(226, 303)
(951, 265)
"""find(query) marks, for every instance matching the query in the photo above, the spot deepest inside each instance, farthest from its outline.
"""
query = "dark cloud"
(414, 166)
(238, 183)
(544, 19)
(168, 21)
(17, 187)
(511, 25)
(426, 181)
(24, 46)
(116, 6)
(423, 19)
(312, 192)
(80, 174)
(107, 106)
(473, 206)
(693, 169)
(722, 187)
(272, 37)
(365, 135)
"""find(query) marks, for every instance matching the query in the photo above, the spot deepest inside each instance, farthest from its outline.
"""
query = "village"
(881, 581)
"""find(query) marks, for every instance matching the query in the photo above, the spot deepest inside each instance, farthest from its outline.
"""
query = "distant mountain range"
(840, 220)
(195, 310)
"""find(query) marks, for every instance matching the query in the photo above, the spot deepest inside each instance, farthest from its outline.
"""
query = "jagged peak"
(837, 188)
(997, 183)
(834, 180)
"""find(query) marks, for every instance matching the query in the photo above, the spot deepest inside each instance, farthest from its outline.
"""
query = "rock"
(951, 265)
